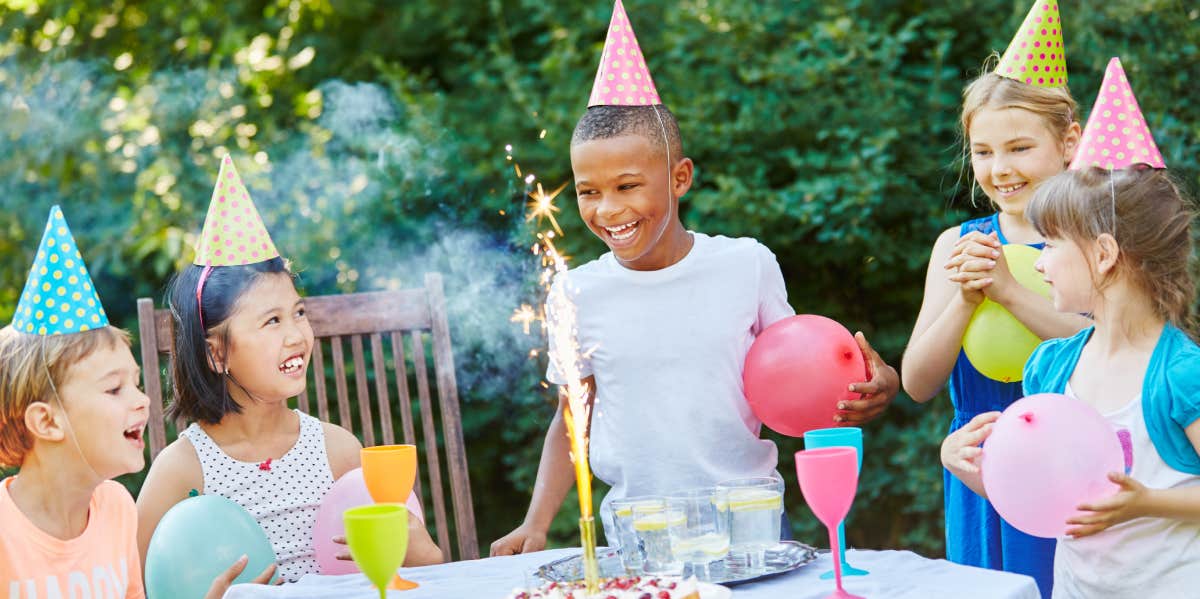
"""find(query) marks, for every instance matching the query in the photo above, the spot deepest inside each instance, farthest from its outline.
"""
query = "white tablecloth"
(894, 574)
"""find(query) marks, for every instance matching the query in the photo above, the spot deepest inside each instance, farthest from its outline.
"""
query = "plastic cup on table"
(390, 471)
(845, 436)
(829, 480)
(377, 536)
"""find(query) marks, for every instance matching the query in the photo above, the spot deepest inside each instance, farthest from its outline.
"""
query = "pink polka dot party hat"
(622, 78)
(1036, 55)
(1116, 135)
(59, 297)
(234, 234)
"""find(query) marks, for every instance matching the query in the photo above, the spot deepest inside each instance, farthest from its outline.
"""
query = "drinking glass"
(701, 540)
(390, 471)
(632, 555)
(845, 436)
(828, 480)
(755, 508)
(651, 521)
(377, 536)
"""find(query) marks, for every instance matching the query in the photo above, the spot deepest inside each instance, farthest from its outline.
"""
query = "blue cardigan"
(1170, 392)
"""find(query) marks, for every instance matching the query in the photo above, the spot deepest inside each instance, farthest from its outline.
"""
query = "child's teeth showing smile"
(292, 365)
(1007, 189)
(623, 232)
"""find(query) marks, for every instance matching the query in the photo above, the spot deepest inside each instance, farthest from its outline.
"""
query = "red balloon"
(797, 371)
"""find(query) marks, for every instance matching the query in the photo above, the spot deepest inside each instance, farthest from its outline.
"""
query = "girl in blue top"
(1117, 247)
(1018, 135)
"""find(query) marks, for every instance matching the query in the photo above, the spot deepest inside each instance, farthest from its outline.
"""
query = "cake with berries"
(631, 587)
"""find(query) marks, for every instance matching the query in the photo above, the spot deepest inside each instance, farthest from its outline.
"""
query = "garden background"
(372, 136)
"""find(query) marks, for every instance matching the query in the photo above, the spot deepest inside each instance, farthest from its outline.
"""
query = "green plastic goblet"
(378, 539)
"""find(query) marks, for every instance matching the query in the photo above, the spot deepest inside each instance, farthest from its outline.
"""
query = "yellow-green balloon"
(996, 343)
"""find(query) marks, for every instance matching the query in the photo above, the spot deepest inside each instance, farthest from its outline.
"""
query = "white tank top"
(282, 494)
(1141, 558)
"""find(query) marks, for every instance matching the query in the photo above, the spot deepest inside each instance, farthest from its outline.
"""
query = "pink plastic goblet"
(829, 479)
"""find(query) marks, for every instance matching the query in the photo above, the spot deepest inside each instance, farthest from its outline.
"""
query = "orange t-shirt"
(101, 563)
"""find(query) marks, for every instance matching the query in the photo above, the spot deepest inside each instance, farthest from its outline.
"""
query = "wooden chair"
(378, 318)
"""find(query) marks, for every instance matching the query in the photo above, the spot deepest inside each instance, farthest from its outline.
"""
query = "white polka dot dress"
(282, 494)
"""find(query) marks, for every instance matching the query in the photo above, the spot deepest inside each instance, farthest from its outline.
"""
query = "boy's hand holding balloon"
(877, 393)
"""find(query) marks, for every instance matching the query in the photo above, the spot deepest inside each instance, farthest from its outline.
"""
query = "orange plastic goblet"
(390, 471)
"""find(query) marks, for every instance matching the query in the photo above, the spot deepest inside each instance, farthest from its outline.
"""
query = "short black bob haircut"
(199, 393)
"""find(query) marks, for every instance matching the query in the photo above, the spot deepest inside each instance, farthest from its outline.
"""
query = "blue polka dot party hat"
(59, 297)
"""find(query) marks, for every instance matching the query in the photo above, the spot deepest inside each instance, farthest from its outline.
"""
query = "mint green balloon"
(197, 540)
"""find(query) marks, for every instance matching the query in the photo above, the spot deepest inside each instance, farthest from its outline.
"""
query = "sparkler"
(561, 328)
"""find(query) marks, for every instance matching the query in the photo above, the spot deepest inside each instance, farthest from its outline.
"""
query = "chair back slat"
(381, 390)
(404, 398)
(392, 320)
(430, 447)
(339, 380)
(318, 362)
(361, 390)
(369, 312)
(302, 400)
(456, 454)
(153, 374)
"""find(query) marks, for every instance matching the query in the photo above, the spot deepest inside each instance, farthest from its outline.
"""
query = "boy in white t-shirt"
(668, 316)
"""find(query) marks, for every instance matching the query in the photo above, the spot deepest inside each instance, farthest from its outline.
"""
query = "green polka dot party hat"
(1036, 54)
(59, 297)
(234, 234)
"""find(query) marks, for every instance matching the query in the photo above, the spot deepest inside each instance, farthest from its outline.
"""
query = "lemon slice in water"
(743, 500)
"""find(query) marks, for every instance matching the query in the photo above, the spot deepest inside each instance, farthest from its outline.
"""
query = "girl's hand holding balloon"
(877, 393)
(961, 451)
(222, 582)
(1125, 505)
(972, 264)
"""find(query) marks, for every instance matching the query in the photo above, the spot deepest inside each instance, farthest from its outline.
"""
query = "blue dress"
(975, 534)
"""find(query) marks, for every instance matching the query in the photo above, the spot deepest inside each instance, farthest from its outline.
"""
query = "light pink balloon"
(347, 492)
(1048, 453)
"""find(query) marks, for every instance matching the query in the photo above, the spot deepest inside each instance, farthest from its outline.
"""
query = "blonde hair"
(23, 378)
(1145, 212)
(1054, 105)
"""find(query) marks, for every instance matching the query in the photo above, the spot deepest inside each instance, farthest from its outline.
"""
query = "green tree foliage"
(372, 136)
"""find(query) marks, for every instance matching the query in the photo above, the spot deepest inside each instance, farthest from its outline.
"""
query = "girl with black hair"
(242, 348)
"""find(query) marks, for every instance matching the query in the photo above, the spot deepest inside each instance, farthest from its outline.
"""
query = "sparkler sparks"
(541, 206)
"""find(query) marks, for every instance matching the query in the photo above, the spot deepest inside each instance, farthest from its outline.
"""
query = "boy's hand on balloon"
(1125, 505)
(877, 393)
(961, 449)
(222, 582)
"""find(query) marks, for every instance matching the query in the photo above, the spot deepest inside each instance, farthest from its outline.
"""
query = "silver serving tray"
(784, 557)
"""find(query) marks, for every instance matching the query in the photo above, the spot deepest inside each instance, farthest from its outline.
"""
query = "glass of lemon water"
(701, 541)
(652, 521)
(755, 511)
(632, 555)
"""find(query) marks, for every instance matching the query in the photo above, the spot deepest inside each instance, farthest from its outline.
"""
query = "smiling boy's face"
(628, 198)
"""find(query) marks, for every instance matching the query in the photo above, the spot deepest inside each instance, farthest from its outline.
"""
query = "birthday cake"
(634, 587)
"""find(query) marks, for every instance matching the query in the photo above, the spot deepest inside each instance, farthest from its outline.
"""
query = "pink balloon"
(348, 491)
(1048, 453)
(797, 371)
